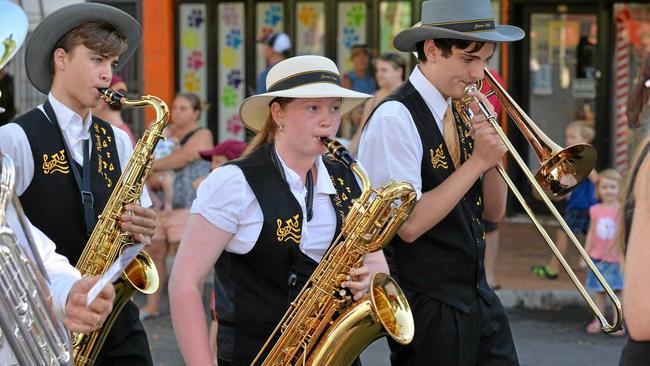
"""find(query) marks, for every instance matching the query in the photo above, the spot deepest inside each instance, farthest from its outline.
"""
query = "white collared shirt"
(14, 143)
(227, 201)
(390, 147)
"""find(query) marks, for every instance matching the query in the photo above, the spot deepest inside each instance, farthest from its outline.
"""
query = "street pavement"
(542, 337)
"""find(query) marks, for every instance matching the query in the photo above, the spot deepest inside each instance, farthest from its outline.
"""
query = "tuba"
(28, 323)
(108, 240)
(323, 326)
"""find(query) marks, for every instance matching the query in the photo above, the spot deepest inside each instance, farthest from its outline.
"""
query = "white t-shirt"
(226, 200)
(390, 147)
(14, 143)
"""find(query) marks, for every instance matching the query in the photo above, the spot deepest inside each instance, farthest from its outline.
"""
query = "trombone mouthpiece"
(471, 88)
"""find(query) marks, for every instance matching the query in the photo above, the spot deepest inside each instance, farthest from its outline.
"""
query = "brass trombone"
(561, 170)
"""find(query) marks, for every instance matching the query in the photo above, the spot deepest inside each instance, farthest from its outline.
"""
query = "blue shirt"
(582, 196)
(366, 85)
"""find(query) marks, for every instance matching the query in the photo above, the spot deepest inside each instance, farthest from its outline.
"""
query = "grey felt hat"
(471, 20)
(38, 55)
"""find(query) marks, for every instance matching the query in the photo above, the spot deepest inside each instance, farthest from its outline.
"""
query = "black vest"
(52, 201)
(446, 262)
(262, 282)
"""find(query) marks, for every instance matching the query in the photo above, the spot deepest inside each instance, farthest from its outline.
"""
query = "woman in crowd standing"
(187, 165)
(390, 71)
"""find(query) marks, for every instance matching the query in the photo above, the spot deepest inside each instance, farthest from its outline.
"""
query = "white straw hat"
(298, 77)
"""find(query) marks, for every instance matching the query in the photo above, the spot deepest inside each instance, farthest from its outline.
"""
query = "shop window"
(310, 28)
(232, 62)
(192, 54)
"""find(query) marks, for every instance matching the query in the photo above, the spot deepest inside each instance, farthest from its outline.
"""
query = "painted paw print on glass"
(307, 16)
(191, 82)
(356, 15)
(350, 37)
(230, 16)
(233, 38)
(311, 37)
(273, 15)
(195, 18)
(234, 78)
(195, 60)
(190, 39)
(228, 57)
(234, 124)
(228, 96)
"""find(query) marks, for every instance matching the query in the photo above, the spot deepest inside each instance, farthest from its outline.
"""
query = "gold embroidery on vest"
(55, 163)
(290, 231)
(439, 160)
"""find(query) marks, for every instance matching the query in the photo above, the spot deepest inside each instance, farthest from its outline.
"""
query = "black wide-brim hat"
(38, 55)
(470, 20)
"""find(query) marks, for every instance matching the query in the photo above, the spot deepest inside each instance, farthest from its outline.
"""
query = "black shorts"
(635, 353)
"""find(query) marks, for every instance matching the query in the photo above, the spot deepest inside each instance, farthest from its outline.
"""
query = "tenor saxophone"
(323, 326)
(34, 334)
(108, 239)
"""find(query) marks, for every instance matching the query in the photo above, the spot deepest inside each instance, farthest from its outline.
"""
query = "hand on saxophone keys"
(85, 319)
(358, 281)
(139, 222)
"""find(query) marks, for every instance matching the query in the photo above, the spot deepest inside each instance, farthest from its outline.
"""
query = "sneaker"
(543, 271)
(594, 327)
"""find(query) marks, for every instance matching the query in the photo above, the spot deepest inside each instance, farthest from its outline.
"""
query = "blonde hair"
(583, 127)
(611, 174)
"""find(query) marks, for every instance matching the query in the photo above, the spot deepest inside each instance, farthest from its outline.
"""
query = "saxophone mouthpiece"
(110, 96)
(339, 151)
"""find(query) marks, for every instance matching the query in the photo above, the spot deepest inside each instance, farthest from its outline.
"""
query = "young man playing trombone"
(438, 256)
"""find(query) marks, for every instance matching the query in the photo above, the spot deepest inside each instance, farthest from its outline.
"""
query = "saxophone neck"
(341, 154)
(114, 97)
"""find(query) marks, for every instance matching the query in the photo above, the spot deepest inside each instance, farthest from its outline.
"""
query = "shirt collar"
(323, 182)
(434, 99)
(70, 122)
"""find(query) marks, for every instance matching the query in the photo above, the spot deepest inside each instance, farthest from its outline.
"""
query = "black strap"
(82, 179)
(309, 197)
(187, 136)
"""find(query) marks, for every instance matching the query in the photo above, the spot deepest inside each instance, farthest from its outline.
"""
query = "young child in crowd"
(581, 198)
(161, 183)
(601, 241)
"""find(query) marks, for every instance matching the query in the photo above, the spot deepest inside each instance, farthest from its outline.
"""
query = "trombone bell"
(563, 170)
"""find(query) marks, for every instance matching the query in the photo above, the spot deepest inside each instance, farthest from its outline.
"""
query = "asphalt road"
(542, 338)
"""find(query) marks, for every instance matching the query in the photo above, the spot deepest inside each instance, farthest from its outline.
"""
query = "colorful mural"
(310, 28)
(231, 84)
(351, 30)
(269, 19)
(192, 52)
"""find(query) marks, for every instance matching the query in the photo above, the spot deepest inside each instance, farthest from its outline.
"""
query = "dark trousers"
(127, 342)
(445, 336)
(635, 353)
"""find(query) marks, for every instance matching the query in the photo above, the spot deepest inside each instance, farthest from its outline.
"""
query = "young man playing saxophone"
(438, 256)
(63, 151)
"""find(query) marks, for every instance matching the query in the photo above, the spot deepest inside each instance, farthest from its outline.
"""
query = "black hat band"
(305, 78)
(466, 26)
